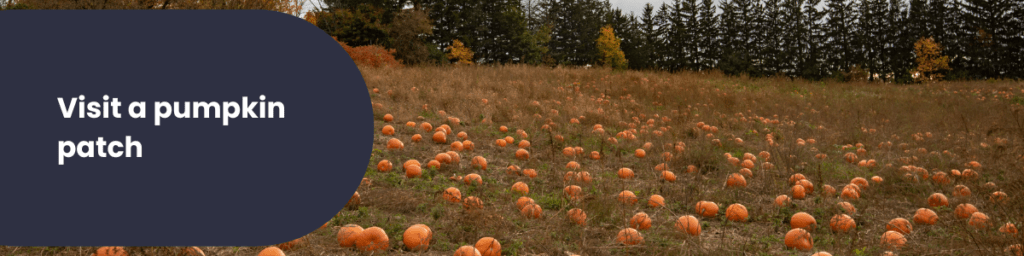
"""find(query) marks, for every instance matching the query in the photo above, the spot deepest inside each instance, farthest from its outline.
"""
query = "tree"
(407, 33)
(930, 60)
(458, 51)
(608, 46)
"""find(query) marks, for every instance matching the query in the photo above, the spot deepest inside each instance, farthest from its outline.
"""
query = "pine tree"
(842, 45)
(707, 36)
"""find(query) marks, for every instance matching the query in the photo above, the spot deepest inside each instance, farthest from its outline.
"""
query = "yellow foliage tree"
(609, 50)
(929, 59)
(460, 52)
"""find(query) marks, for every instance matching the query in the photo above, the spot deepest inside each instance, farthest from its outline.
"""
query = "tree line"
(811, 39)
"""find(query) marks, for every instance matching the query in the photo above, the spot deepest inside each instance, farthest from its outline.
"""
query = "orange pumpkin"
(688, 224)
(488, 246)
(372, 239)
(808, 186)
(417, 138)
(426, 127)
(118, 251)
(847, 207)
(899, 225)
(799, 239)
(625, 173)
(668, 176)
(440, 138)
(388, 130)
(573, 192)
(479, 162)
(472, 203)
(925, 216)
(347, 235)
(417, 237)
(452, 194)
(384, 166)
(842, 223)
(629, 236)
(707, 209)
(577, 216)
(978, 220)
(394, 143)
(782, 200)
(937, 199)
(521, 188)
(523, 202)
(269, 251)
(467, 250)
(531, 211)
(803, 220)
(860, 182)
(656, 201)
(964, 211)
(627, 197)
(1009, 229)
(736, 212)
(413, 171)
(893, 240)
(522, 154)
(640, 221)
(736, 180)
(798, 192)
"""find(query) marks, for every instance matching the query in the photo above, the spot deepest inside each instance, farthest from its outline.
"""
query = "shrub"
(371, 55)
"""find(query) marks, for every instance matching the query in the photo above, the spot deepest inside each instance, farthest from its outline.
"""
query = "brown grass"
(960, 116)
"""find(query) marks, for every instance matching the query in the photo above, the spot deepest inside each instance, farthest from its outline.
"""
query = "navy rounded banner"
(175, 128)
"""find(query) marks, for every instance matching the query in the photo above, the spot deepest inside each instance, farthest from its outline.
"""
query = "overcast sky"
(637, 7)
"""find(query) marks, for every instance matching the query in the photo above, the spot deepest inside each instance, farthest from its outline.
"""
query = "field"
(897, 138)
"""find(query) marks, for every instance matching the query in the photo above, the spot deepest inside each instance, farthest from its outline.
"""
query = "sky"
(635, 6)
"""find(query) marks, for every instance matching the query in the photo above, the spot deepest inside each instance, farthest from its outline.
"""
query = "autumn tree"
(610, 53)
(458, 51)
(930, 60)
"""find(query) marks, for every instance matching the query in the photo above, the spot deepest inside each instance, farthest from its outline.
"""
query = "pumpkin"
(736, 212)
(524, 144)
(347, 235)
(479, 162)
(707, 209)
(978, 220)
(627, 197)
(893, 240)
(782, 200)
(467, 250)
(394, 143)
(842, 223)
(372, 239)
(513, 170)
(269, 251)
(828, 190)
(668, 176)
(503, 128)
(803, 220)
(413, 171)
(417, 138)
(733, 160)
(691, 169)
(583, 177)
(961, 191)
(1015, 249)
(472, 203)
(964, 211)
(629, 236)
(850, 193)
(426, 127)
(410, 124)
(523, 202)
(384, 166)
(119, 251)
(937, 199)
(808, 186)
(746, 173)
(452, 194)
(509, 139)
(595, 155)
(899, 225)
(440, 138)
(568, 151)
(688, 224)
(640, 221)
(521, 188)
(434, 164)
(821, 254)
(531, 173)
(573, 192)
(531, 211)
(522, 154)
(577, 216)
(625, 173)
(925, 216)
(488, 246)
(798, 192)
(796, 177)
(877, 180)
(500, 142)
(417, 237)
(640, 153)
(850, 157)
(457, 146)
(1009, 229)
(388, 130)
(847, 207)
(799, 239)
(940, 178)
(747, 164)
(290, 244)
(572, 165)
(736, 180)
(860, 182)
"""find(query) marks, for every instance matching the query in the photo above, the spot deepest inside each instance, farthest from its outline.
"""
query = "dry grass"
(959, 116)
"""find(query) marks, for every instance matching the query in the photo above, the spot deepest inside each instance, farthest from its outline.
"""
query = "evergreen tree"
(841, 47)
